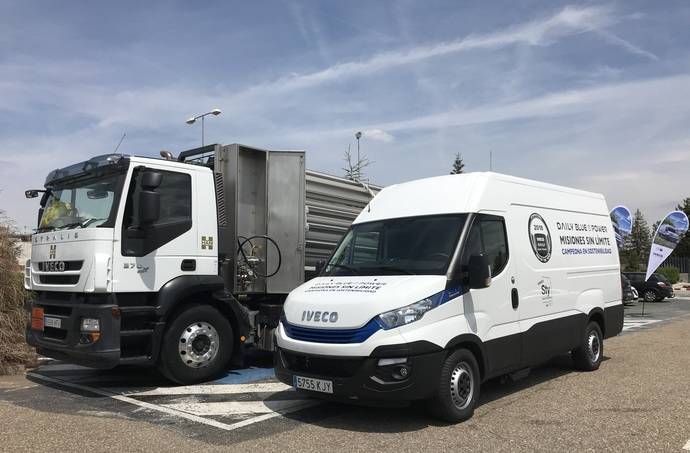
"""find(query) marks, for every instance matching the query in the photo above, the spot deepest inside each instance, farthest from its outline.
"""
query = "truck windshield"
(407, 246)
(81, 202)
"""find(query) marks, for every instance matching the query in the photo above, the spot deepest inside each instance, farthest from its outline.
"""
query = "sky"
(592, 95)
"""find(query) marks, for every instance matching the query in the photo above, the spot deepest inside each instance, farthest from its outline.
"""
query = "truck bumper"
(361, 379)
(67, 342)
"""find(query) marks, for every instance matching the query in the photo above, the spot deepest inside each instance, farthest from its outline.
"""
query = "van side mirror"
(149, 198)
(479, 270)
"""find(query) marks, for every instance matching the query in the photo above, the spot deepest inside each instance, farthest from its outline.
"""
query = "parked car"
(629, 297)
(656, 289)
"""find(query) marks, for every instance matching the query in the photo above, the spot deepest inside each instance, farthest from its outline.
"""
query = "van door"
(491, 311)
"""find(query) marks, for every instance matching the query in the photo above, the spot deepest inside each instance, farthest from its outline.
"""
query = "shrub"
(14, 352)
(671, 273)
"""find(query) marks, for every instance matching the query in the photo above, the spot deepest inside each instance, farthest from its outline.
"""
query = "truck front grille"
(58, 279)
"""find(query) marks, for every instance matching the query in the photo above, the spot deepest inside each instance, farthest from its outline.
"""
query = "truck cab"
(177, 263)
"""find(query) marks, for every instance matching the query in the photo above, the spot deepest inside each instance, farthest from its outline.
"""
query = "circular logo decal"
(539, 237)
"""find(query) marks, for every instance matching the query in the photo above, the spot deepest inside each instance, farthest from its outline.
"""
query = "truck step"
(135, 360)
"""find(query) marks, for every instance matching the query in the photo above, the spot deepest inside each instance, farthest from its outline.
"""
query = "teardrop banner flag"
(621, 219)
(667, 237)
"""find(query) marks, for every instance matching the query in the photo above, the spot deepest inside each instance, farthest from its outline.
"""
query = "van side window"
(487, 237)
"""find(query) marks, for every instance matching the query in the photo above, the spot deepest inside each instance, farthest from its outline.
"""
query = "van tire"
(201, 324)
(588, 355)
(458, 389)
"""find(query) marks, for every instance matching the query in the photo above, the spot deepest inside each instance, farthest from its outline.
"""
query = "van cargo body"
(180, 263)
(445, 282)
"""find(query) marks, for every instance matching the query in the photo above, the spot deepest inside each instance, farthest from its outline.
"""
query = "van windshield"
(406, 246)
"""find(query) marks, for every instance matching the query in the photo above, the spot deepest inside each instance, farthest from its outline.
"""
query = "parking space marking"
(240, 399)
(632, 323)
(687, 445)
(238, 407)
(208, 389)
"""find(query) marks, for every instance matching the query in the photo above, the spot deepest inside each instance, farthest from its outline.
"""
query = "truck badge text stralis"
(437, 293)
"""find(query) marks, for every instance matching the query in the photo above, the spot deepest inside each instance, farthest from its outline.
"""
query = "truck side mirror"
(479, 270)
(149, 198)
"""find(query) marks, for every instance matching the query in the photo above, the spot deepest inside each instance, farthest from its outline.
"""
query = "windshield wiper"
(71, 225)
(344, 266)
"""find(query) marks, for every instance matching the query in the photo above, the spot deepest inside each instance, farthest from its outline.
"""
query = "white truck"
(442, 283)
(183, 263)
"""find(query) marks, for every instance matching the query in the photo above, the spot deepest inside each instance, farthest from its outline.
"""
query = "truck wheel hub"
(198, 345)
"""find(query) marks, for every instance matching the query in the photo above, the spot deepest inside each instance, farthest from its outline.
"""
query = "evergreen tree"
(458, 165)
(683, 247)
(637, 243)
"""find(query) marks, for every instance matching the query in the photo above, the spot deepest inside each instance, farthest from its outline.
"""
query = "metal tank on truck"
(182, 264)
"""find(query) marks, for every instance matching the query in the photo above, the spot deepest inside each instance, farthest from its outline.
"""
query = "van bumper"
(362, 379)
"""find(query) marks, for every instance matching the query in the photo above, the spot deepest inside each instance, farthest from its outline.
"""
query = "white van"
(442, 283)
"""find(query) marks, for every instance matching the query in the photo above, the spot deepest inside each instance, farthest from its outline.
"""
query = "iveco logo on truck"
(320, 316)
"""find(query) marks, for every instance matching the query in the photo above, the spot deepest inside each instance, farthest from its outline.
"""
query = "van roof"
(476, 192)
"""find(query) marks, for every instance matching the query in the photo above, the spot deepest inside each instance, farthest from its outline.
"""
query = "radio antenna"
(120, 142)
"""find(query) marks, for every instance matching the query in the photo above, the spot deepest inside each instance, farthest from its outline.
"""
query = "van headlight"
(405, 315)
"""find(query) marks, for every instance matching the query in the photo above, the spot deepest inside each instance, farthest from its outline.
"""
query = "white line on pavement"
(238, 407)
(168, 410)
(687, 445)
(209, 389)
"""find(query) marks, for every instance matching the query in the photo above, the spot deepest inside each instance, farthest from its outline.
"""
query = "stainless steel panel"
(286, 219)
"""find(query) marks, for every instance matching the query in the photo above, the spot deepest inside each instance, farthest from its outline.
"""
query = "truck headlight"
(90, 325)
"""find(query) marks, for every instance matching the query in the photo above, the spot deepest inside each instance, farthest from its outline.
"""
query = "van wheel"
(588, 355)
(458, 388)
(650, 296)
(197, 346)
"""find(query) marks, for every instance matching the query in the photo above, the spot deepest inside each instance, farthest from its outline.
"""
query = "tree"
(354, 170)
(458, 165)
(683, 247)
(14, 352)
(637, 244)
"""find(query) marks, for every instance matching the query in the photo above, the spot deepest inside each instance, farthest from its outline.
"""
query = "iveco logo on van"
(320, 316)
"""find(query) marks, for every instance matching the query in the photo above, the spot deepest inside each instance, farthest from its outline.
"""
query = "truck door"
(148, 256)
(492, 309)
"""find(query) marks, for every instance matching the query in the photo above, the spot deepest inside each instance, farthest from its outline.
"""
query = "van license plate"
(52, 322)
(315, 385)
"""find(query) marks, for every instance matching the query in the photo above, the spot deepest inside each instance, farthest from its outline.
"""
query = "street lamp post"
(192, 120)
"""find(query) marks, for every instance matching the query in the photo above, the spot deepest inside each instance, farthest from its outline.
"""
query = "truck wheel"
(197, 346)
(588, 355)
(458, 388)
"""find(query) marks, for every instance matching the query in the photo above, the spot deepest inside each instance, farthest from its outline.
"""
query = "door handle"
(515, 298)
(188, 265)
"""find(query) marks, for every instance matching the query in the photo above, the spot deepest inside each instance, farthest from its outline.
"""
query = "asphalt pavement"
(637, 401)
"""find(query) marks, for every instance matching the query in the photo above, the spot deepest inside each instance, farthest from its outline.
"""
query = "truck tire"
(588, 355)
(197, 345)
(458, 389)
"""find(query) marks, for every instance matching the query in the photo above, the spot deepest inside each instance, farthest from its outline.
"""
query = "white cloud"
(568, 22)
(379, 135)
